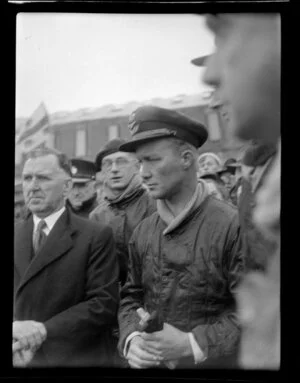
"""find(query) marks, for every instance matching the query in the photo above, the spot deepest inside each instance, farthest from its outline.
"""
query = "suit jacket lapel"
(59, 241)
(23, 246)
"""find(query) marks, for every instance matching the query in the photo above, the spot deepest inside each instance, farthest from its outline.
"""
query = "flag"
(35, 131)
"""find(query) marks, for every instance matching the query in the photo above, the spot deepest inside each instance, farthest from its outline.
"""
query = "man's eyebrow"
(44, 174)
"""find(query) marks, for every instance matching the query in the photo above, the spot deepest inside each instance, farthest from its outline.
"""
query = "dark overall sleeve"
(80, 323)
(221, 338)
(132, 295)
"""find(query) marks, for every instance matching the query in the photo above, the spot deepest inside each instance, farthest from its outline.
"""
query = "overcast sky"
(72, 61)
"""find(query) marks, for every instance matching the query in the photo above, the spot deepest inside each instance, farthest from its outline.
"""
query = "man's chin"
(118, 186)
(76, 205)
(35, 207)
(37, 210)
(155, 194)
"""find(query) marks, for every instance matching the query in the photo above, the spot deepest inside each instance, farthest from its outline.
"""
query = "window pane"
(214, 127)
(80, 143)
(113, 132)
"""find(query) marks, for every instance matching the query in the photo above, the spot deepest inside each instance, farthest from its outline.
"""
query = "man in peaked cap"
(83, 196)
(230, 174)
(185, 259)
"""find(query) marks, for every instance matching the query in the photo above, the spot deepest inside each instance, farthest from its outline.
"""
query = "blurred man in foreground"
(245, 70)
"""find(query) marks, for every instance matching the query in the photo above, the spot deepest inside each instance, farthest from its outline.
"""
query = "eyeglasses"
(121, 163)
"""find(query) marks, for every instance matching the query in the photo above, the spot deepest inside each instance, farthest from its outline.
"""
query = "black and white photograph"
(147, 191)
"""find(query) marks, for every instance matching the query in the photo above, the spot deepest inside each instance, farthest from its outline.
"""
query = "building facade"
(83, 132)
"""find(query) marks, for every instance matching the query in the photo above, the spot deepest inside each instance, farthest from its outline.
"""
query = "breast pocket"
(177, 256)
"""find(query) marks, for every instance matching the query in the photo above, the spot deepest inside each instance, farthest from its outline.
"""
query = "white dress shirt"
(50, 221)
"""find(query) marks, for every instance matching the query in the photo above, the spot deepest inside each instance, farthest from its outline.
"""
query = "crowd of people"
(174, 260)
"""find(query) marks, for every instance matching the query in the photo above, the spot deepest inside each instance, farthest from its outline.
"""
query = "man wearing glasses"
(126, 202)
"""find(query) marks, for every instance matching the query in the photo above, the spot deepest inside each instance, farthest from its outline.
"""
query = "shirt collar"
(50, 220)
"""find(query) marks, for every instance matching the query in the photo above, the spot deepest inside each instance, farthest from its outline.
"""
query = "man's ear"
(136, 165)
(187, 159)
(68, 184)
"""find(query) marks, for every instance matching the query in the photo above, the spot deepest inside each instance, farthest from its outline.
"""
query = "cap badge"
(132, 117)
(132, 125)
(74, 170)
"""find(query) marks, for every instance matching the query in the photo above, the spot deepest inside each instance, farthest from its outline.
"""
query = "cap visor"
(200, 61)
(209, 175)
(81, 180)
(131, 146)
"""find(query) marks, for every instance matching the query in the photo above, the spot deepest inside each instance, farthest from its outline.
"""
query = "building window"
(80, 149)
(113, 132)
(213, 126)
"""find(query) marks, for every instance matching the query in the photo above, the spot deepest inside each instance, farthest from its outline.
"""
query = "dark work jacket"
(71, 286)
(86, 208)
(233, 192)
(123, 217)
(257, 247)
(188, 276)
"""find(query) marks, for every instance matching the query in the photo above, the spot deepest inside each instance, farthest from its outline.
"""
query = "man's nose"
(34, 184)
(211, 75)
(75, 190)
(114, 167)
(145, 172)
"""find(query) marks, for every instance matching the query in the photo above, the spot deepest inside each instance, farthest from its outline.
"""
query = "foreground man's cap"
(82, 170)
(151, 122)
(200, 61)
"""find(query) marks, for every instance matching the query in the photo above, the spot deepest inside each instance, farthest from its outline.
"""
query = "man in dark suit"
(65, 274)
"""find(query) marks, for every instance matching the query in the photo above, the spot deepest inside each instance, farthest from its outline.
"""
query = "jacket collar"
(87, 205)
(199, 196)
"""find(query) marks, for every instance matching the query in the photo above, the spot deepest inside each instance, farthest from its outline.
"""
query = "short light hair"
(63, 161)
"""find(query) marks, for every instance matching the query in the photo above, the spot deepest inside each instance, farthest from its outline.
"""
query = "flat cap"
(82, 170)
(110, 147)
(210, 175)
(229, 166)
(151, 122)
(231, 162)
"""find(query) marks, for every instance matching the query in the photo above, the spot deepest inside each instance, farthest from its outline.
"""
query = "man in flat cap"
(245, 70)
(83, 196)
(230, 174)
(177, 305)
(125, 203)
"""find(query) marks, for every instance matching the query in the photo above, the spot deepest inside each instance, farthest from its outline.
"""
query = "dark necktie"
(39, 237)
